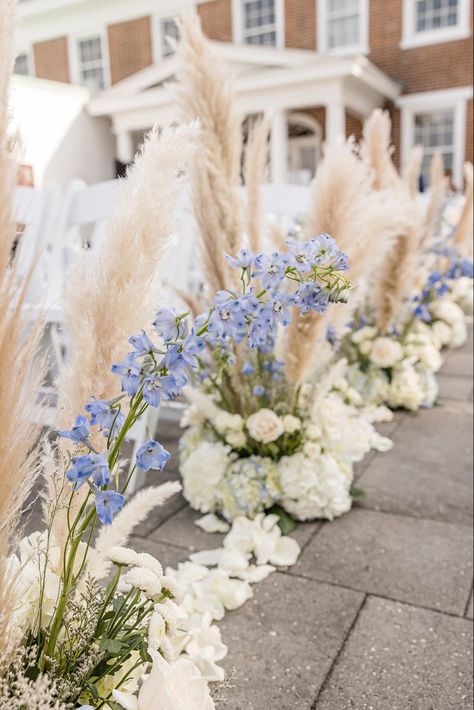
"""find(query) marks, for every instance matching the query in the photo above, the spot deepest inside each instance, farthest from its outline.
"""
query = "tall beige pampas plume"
(20, 375)
(363, 223)
(113, 292)
(438, 189)
(411, 174)
(204, 92)
(463, 233)
(256, 154)
(376, 149)
(396, 278)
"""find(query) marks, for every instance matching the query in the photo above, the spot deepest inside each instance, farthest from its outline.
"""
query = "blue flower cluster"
(150, 373)
(437, 285)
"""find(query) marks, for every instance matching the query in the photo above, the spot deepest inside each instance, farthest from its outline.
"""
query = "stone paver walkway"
(377, 612)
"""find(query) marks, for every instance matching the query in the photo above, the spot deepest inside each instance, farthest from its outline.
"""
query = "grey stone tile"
(458, 362)
(452, 387)
(470, 610)
(168, 555)
(283, 642)
(422, 562)
(440, 491)
(399, 657)
(160, 515)
(442, 434)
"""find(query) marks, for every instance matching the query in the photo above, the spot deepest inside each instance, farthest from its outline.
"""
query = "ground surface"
(376, 614)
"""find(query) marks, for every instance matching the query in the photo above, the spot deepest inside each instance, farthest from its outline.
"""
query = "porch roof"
(264, 78)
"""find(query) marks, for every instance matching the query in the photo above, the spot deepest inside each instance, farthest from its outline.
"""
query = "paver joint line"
(337, 656)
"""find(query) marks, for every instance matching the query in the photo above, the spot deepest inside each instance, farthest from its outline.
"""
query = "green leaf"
(357, 493)
(286, 522)
(111, 645)
(92, 690)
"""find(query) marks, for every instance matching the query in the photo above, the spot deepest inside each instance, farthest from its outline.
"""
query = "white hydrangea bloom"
(386, 352)
(314, 488)
(202, 470)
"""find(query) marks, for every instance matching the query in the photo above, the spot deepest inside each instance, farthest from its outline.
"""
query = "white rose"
(366, 347)
(170, 686)
(236, 439)
(291, 424)
(448, 311)
(265, 426)
(386, 352)
(365, 333)
(313, 432)
(225, 421)
(441, 332)
(312, 450)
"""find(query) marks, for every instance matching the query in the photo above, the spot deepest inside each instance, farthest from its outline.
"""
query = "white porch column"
(124, 147)
(335, 123)
(279, 146)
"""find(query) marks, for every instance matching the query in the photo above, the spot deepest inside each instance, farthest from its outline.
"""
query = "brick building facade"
(423, 47)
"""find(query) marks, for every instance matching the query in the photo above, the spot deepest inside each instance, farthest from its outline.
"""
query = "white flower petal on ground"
(256, 573)
(285, 552)
(210, 523)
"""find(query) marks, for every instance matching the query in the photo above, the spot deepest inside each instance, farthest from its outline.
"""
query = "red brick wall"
(300, 24)
(428, 68)
(216, 19)
(130, 47)
(353, 127)
(51, 59)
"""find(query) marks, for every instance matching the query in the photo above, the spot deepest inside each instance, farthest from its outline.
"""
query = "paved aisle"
(377, 612)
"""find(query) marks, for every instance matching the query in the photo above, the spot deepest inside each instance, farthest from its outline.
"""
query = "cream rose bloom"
(291, 423)
(365, 333)
(170, 686)
(442, 333)
(386, 352)
(265, 426)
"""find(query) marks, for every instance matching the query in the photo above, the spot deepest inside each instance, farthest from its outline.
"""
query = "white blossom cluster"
(314, 481)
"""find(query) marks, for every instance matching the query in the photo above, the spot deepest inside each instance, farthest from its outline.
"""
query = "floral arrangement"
(94, 641)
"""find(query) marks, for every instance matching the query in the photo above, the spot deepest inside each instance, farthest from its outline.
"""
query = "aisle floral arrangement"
(272, 435)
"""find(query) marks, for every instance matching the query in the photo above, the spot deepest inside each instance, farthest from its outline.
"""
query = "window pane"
(21, 64)
(259, 22)
(435, 14)
(435, 131)
(169, 28)
(91, 67)
(343, 28)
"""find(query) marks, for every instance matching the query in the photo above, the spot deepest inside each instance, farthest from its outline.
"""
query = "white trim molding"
(238, 27)
(322, 44)
(426, 102)
(413, 38)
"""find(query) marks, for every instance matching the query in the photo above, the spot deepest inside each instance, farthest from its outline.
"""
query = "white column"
(279, 146)
(335, 123)
(124, 147)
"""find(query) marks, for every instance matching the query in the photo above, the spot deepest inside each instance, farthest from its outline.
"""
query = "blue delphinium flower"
(168, 325)
(259, 390)
(332, 337)
(130, 374)
(226, 317)
(244, 259)
(79, 432)
(247, 369)
(259, 330)
(107, 505)
(302, 255)
(104, 414)
(191, 348)
(278, 308)
(152, 455)
(312, 298)
(422, 312)
(92, 466)
(142, 344)
(158, 387)
(270, 270)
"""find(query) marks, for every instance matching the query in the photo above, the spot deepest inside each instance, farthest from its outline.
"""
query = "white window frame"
(412, 38)
(238, 24)
(427, 101)
(157, 37)
(73, 52)
(362, 47)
